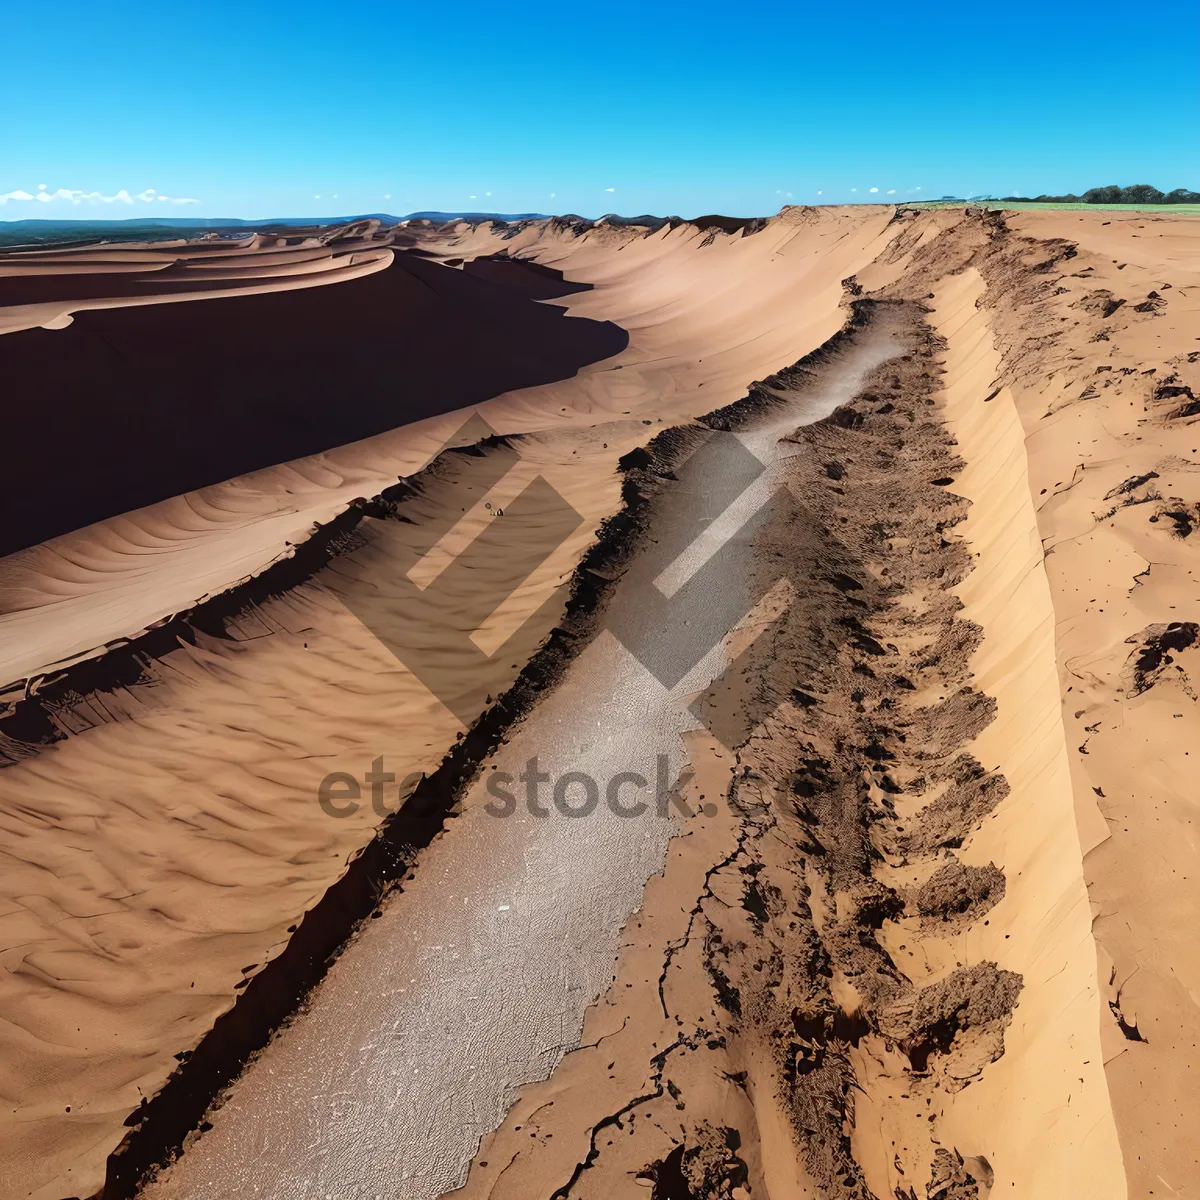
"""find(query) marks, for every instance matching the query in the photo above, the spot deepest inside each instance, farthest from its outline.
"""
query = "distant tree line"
(1139, 193)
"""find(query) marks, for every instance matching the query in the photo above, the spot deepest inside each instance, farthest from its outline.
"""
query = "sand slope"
(1058, 1135)
(1104, 403)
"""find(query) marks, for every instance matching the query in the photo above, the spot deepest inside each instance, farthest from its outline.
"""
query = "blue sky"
(315, 108)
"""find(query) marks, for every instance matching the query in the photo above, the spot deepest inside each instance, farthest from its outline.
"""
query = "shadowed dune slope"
(196, 393)
(524, 275)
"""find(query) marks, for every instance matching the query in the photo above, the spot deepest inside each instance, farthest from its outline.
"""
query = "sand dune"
(263, 377)
(47, 286)
(162, 828)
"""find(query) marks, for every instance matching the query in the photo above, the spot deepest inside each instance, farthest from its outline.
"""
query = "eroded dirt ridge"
(864, 710)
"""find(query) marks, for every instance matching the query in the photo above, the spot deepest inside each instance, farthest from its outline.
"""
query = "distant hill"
(37, 230)
(440, 218)
(189, 222)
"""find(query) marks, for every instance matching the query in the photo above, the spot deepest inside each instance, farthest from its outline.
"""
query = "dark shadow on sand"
(130, 406)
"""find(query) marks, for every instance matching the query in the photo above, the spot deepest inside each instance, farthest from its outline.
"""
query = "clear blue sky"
(256, 110)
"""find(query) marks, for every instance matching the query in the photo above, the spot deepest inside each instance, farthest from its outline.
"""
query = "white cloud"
(820, 193)
(487, 193)
(891, 191)
(75, 197)
(552, 195)
(472, 197)
(610, 189)
(316, 197)
(854, 189)
(387, 195)
(874, 189)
